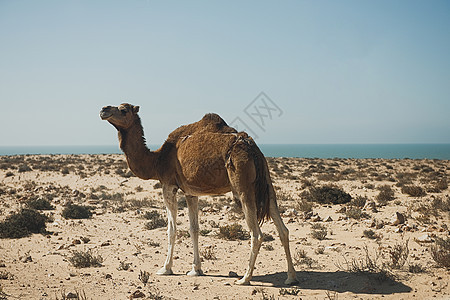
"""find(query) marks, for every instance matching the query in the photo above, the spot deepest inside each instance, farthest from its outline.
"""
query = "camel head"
(121, 117)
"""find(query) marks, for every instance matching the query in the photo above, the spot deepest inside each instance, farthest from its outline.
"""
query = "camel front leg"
(192, 203)
(170, 200)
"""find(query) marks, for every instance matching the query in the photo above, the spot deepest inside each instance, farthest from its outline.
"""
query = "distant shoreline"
(382, 151)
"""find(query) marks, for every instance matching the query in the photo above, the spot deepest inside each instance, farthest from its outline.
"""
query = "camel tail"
(263, 186)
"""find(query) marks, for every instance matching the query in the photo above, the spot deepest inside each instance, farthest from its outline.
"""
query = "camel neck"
(140, 159)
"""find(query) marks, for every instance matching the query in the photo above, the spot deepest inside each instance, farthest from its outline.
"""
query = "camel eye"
(123, 111)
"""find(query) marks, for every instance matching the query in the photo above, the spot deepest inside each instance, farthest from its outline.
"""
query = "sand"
(38, 266)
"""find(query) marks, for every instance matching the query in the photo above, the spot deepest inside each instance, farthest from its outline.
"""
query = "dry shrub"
(359, 201)
(385, 195)
(304, 205)
(413, 190)
(23, 223)
(327, 194)
(85, 259)
(398, 255)
(440, 252)
(233, 232)
(209, 252)
(319, 231)
(155, 220)
(356, 213)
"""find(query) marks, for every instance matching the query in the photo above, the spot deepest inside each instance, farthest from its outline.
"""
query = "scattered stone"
(107, 243)
(290, 213)
(227, 284)
(398, 219)
(424, 238)
(398, 230)
(316, 218)
(71, 295)
(137, 294)
(26, 259)
(85, 239)
(328, 219)
(232, 274)
(108, 276)
(76, 242)
(2, 265)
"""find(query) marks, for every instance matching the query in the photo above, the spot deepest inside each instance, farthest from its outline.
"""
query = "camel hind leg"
(249, 208)
(192, 203)
(284, 237)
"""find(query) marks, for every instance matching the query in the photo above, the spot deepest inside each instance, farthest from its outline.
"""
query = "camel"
(207, 157)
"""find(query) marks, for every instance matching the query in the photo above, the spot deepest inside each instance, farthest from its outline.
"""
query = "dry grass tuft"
(233, 232)
(155, 220)
(85, 259)
(440, 252)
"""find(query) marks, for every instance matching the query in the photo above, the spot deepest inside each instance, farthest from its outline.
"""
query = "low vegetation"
(327, 194)
(23, 223)
(75, 211)
(233, 232)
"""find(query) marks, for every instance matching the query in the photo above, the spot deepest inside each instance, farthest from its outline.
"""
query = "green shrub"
(328, 194)
(40, 204)
(23, 223)
(74, 211)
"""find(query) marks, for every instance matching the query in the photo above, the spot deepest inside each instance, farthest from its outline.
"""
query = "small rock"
(2, 265)
(137, 294)
(71, 295)
(107, 243)
(26, 259)
(232, 274)
(425, 238)
(108, 276)
(398, 219)
(85, 239)
(76, 242)
(316, 218)
(328, 219)
(227, 284)
(398, 230)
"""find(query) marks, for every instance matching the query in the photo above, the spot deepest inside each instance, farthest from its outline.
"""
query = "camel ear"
(135, 109)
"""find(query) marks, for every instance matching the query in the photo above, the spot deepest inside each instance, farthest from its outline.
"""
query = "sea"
(386, 151)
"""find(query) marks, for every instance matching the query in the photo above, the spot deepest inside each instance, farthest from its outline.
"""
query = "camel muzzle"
(106, 112)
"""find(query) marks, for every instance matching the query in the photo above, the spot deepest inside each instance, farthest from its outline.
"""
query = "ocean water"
(389, 151)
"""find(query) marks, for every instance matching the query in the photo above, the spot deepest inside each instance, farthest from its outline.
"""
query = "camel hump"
(218, 124)
(215, 118)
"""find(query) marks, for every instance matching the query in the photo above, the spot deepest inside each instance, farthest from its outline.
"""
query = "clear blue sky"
(340, 71)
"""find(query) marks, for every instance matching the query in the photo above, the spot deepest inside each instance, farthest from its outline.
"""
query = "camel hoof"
(291, 281)
(195, 273)
(242, 282)
(164, 271)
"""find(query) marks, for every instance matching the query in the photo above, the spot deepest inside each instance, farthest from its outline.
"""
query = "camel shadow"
(339, 281)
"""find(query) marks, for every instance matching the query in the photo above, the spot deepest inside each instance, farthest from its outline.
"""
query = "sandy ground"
(39, 267)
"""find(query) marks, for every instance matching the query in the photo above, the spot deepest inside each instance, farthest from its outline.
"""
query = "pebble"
(425, 238)
(232, 274)
(398, 219)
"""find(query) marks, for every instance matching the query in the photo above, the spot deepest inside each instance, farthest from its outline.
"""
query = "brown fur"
(203, 158)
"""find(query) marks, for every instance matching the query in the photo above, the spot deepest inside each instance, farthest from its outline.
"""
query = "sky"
(290, 72)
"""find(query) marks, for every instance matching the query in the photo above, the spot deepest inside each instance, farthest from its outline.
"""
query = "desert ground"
(359, 229)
